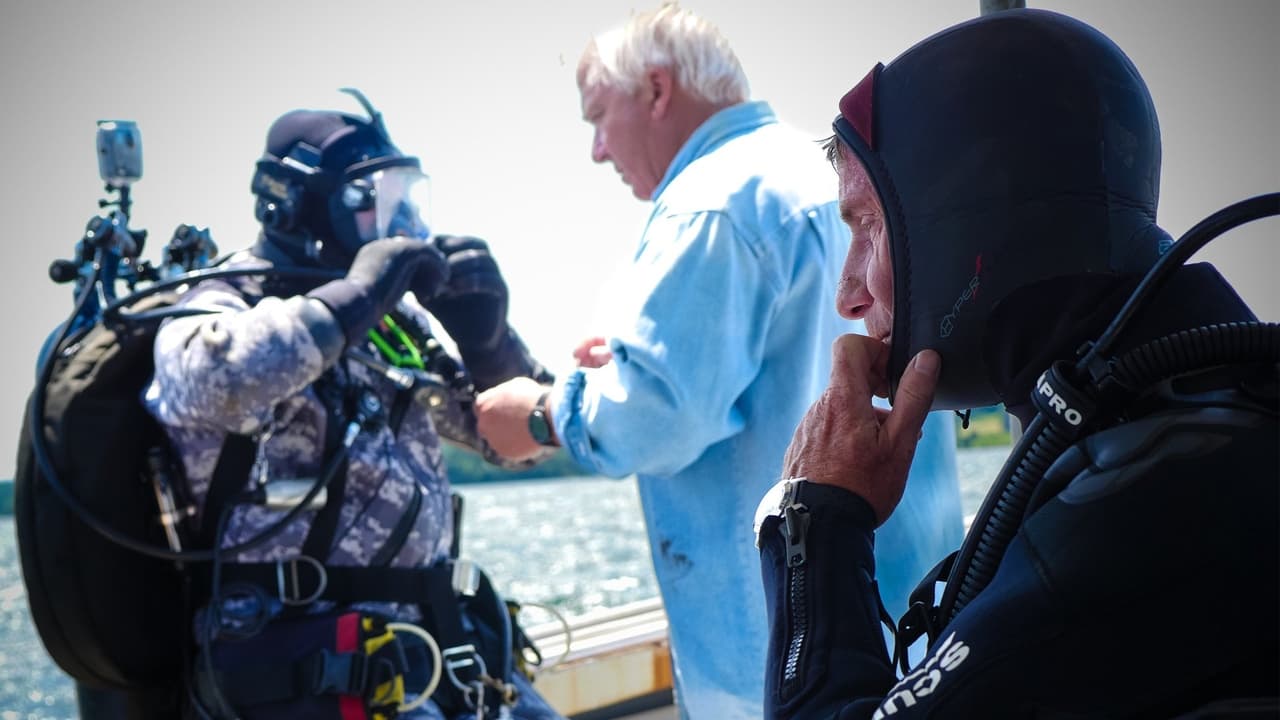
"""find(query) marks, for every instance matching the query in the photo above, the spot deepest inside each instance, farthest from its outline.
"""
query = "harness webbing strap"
(321, 672)
(921, 615)
(325, 524)
(343, 584)
(442, 608)
(259, 684)
(455, 548)
(885, 618)
(320, 537)
(431, 589)
(409, 518)
(235, 460)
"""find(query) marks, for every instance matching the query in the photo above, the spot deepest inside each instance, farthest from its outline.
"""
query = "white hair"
(670, 37)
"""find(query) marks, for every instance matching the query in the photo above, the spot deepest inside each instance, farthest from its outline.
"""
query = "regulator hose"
(1044, 441)
(48, 472)
(1097, 386)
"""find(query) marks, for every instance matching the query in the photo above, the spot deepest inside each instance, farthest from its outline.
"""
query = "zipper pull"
(795, 528)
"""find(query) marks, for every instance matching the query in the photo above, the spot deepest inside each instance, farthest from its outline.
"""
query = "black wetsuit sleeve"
(1146, 587)
(827, 656)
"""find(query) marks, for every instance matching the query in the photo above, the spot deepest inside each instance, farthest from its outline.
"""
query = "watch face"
(538, 426)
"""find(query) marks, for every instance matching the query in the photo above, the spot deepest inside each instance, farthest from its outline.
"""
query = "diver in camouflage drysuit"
(276, 356)
(251, 369)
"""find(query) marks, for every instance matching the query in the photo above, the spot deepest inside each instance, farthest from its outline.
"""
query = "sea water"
(576, 544)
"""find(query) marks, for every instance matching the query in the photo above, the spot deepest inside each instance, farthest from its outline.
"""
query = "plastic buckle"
(339, 673)
(464, 656)
(918, 620)
(289, 585)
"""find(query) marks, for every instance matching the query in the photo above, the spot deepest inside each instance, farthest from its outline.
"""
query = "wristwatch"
(540, 423)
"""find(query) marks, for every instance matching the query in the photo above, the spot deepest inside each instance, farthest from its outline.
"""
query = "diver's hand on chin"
(846, 441)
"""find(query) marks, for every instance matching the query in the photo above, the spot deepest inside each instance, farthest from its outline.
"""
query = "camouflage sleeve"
(229, 369)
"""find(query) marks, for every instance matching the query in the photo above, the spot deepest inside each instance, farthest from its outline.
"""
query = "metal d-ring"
(436, 662)
(286, 583)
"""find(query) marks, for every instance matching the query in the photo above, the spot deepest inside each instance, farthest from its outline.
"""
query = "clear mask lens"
(400, 197)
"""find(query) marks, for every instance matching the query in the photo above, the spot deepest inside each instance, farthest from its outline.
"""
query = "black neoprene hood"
(1007, 150)
(346, 144)
(338, 148)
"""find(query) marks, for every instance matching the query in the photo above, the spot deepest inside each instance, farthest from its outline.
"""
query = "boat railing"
(605, 658)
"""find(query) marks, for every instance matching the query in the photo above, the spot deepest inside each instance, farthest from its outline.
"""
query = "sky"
(483, 92)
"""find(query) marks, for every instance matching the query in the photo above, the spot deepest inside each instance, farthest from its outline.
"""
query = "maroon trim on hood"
(856, 106)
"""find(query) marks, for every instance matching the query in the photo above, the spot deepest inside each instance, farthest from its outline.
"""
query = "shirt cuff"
(570, 426)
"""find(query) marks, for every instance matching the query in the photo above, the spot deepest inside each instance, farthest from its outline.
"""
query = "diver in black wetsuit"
(1001, 180)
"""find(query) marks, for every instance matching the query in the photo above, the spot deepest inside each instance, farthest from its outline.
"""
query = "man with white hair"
(718, 337)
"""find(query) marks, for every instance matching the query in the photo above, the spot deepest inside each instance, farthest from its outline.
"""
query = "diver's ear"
(659, 85)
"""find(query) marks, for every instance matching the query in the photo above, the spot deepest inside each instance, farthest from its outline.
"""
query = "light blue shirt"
(721, 331)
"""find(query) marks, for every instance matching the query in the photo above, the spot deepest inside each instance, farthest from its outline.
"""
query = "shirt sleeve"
(229, 367)
(687, 321)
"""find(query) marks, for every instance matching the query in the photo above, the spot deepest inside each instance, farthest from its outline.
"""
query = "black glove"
(382, 271)
(472, 307)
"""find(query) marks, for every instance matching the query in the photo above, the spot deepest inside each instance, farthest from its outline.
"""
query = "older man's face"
(866, 283)
(623, 135)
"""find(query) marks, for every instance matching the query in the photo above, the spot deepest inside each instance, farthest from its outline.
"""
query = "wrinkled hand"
(593, 352)
(502, 417)
(845, 440)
